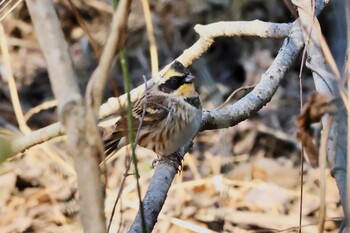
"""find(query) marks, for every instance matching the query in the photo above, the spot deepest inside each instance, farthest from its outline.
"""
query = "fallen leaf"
(312, 112)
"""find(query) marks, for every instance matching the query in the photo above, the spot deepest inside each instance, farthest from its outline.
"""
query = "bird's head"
(177, 81)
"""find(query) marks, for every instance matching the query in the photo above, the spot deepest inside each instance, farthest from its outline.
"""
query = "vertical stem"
(131, 133)
(151, 38)
(347, 205)
(302, 154)
(12, 84)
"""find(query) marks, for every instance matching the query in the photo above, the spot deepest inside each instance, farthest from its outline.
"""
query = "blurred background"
(241, 179)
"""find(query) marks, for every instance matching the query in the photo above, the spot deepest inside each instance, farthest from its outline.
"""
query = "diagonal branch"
(157, 192)
(114, 43)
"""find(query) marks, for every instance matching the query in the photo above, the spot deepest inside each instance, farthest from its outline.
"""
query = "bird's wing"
(156, 109)
(153, 109)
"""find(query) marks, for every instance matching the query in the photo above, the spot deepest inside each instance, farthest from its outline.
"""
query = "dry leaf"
(312, 112)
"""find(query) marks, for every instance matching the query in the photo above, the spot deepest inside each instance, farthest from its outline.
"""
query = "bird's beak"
(189, 78)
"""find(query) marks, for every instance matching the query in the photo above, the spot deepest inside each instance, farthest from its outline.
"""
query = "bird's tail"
(111, 146)
(111, 140)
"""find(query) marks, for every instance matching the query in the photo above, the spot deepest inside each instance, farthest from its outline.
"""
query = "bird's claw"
(174, 159)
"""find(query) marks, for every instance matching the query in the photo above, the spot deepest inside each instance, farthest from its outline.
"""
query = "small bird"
(171, 118)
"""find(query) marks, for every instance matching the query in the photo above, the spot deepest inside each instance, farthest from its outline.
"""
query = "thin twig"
(10, 10)
(323, 181)
(82, 24)
(302, 154)
(121, 214)
(4, 4)
(39, 108)
(307, 37)
(131, 134)
(130, 160)
(12, 84)
(347, 105)
(151, 38)
(100, 6)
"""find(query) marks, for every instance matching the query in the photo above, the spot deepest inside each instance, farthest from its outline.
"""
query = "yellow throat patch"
(186, 90)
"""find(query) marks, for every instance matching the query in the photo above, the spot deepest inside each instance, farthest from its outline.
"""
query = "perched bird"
(172, 115)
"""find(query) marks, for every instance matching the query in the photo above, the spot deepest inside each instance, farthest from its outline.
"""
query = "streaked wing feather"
(156, 111)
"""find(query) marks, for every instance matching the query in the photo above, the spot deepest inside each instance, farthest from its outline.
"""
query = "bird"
(170, 113)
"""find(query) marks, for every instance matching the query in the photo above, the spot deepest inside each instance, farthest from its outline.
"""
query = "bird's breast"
(169, 135)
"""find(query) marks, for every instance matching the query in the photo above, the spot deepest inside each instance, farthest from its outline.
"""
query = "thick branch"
(264, 90)
(83, 138)
(240, 28)
(157, 192)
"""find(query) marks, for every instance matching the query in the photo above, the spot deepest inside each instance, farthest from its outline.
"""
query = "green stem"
(131, 133)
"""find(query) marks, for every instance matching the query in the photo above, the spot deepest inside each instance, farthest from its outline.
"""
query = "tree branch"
(84, 144)
(264, 90)
(114, 43)
(157, 192)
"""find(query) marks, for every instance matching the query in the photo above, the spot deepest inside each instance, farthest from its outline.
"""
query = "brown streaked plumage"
(172, 117)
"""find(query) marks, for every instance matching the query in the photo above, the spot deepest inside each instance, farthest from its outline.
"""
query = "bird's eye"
(172, 84)
(175, 80)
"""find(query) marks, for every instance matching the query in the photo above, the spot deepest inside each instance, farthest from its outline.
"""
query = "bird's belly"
(170, 137)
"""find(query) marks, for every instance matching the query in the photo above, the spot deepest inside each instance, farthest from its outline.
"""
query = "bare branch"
(264, 90)
(157, 192)
(12, 84)
(114, 43)
(36, 137)
(84, 143)
(151, 37)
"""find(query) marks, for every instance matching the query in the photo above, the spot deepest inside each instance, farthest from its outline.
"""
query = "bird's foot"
(155, 162)
(174, 160)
